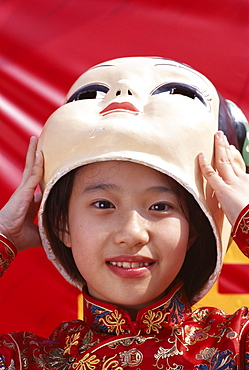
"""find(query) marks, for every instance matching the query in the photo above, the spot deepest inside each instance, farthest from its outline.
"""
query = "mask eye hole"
(93, 91)
(181, 89)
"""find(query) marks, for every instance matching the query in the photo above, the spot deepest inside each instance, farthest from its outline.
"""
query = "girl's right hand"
(18, 215)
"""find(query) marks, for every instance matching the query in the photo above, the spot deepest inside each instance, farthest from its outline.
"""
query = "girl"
(133, 212)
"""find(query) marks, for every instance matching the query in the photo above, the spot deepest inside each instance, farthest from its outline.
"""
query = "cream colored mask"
(151, 111)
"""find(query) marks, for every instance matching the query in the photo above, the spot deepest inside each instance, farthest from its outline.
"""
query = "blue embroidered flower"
(176, 307)
(2, 362)
(220, 361)
(247, 361)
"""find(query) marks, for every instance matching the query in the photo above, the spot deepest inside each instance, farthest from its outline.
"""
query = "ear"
(64, 236)
(192, 236)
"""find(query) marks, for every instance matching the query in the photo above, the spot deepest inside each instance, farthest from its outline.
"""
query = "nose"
(132, 230)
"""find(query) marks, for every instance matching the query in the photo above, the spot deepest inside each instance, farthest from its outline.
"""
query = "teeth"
(130, 265)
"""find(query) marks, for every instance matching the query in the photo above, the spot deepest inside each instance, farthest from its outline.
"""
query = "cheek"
(175, 233)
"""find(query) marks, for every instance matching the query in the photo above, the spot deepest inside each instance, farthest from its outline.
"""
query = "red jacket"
(165, 335)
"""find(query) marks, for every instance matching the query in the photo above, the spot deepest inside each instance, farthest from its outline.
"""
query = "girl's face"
(128, 232)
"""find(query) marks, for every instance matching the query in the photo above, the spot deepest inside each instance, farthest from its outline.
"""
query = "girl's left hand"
(229, 182)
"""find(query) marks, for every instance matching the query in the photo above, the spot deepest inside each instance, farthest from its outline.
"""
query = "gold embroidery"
(111, 363)
(206, 354)
(8, 250)
(71, 340)
(195, 334)
(154, 320)
(132, 358)
(166, 353)
(200, 315)
(244, 225)
(86, 363)
(114, 322)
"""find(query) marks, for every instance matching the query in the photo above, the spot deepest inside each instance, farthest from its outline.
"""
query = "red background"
(44, 46)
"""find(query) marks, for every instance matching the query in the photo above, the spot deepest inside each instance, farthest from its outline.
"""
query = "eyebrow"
(160, 189)
(104, 186)
(101, 186)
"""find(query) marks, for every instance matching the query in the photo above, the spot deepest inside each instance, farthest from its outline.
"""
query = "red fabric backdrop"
(44, 46)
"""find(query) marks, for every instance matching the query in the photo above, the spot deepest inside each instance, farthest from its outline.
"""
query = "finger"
(34, 174)
(30, 159)
(212, 176)
(224, 160)
(20, 201)
(236, 165)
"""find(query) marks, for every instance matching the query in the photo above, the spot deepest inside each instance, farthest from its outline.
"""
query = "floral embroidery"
(88, 362)
(200, 315)
(57, 360)
(129, 341)
(4, 264)
(195, 334)
(224, 329)
(176, 308)
(220, 361)
(87, 342)
(206, 354)
(2, 362)
(71, 340)
(3, 365)
(114, 322)
(244, 225)
(247, 361)
(232, 334)
(111, 364)
(166, 353)
(154, 320)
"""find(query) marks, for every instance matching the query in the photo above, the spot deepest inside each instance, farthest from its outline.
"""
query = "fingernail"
(203, 157)
(220, 134)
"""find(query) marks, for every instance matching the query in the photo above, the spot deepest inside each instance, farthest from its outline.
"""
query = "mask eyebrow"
(103, 65)
(180, 65)
(183, 66)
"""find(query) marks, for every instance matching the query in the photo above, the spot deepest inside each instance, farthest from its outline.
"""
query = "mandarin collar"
(107, 318)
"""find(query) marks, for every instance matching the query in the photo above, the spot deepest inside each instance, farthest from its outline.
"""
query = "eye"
(93, 91)
(161, 207)
(181, 89)
(103, 204)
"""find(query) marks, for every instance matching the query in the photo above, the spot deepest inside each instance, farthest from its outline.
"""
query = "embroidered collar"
(110, 319)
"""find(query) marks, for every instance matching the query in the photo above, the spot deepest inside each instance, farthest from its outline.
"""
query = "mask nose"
(123, 88)
(121, 92)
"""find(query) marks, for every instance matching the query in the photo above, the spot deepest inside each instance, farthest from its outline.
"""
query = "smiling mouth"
(130, 265)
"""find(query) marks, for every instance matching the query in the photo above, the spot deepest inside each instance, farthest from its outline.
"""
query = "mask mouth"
(116, 107)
